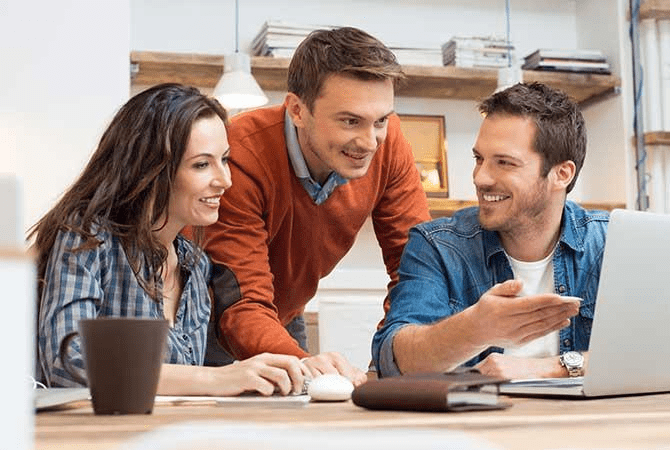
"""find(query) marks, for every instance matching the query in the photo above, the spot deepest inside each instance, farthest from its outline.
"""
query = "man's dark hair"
(560, 131)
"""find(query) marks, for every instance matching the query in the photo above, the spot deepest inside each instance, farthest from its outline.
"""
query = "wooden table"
(625, 422)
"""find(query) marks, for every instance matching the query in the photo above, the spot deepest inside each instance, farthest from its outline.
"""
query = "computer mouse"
(330, 387)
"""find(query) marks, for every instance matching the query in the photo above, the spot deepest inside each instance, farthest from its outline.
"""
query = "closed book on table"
(457, 391)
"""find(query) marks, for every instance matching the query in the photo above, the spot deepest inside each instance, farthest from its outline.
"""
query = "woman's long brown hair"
(126, 185)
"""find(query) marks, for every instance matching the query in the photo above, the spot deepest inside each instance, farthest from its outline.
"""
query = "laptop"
(629, 350)
(50, 398)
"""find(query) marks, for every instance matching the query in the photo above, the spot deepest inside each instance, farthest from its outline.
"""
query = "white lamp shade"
(237, 88)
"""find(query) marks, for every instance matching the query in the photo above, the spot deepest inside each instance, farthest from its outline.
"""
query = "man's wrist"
(573, 363)
(472, 333)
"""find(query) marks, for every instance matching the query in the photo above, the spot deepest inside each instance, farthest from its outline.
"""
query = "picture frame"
(427, 136)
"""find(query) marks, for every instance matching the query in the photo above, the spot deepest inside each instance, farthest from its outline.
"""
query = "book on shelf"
(570, 66)
(280, 39)
(278, 34)
(453, 391)
(573, 54)
(578, 60)
(477, 51)
(417, 56)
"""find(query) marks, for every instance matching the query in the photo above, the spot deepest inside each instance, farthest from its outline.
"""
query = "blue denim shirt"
(448, 263)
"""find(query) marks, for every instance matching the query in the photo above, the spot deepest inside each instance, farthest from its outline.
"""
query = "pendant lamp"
(237, 88)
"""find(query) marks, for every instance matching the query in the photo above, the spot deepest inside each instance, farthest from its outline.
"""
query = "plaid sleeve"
(73, 291)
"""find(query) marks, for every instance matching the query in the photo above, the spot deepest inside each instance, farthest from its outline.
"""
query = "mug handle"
(65, 343)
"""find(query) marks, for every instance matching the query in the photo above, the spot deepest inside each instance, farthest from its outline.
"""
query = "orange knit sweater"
(272, 244)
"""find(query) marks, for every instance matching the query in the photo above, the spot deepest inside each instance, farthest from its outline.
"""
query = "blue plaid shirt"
(100, 282)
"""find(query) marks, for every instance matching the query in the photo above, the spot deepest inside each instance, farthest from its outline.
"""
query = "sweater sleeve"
(242, 285)
(402, 204)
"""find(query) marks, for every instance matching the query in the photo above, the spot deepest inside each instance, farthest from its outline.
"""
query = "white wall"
(207, 26)
(63, 73)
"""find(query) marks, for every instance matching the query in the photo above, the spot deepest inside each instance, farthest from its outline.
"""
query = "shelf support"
(638, 122)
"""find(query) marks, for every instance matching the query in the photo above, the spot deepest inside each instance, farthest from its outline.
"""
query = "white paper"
(274, 400)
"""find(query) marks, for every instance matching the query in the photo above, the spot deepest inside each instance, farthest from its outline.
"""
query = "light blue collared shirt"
(317, 192)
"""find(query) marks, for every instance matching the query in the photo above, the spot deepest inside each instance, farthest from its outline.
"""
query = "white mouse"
(330, 387)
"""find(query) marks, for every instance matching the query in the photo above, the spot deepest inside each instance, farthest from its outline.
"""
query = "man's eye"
(350, 122)
(381, 122)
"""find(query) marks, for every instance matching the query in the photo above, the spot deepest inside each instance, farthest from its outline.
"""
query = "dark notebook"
(456, 391)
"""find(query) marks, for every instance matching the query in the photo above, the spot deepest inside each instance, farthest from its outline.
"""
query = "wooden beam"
(657, 138)
(655, 9)
(447, 82)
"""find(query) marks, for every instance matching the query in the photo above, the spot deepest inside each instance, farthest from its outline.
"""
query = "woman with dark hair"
(112, 245)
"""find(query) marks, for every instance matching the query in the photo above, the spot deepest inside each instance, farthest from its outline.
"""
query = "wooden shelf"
(657, 138)
(203, 71)
(445, 207)
(655, 9)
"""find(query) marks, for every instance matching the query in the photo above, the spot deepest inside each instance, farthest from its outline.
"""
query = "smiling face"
(513, 195)
(347, 124)
(202, 176)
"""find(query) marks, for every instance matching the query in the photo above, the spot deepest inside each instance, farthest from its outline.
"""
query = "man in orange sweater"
(305, 177)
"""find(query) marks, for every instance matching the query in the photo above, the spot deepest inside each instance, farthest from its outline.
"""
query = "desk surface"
(625, 422)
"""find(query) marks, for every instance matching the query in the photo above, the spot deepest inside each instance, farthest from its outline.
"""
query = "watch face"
(573, 358)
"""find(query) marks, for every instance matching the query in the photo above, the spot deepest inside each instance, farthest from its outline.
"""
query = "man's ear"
(563, 174)
(296, 109)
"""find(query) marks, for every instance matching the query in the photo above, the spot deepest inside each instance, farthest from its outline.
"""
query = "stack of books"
(280, 39)
(486, 52)
(417, 56)
(589, 61)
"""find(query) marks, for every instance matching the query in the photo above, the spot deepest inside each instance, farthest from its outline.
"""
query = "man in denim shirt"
(494, 286)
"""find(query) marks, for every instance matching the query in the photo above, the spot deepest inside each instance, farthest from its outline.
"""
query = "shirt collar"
(293, 146)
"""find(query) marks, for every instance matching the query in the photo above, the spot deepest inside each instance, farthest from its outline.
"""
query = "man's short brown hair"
(345, 50)
(560, 131)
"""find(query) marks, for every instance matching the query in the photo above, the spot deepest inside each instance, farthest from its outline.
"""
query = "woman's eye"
(201, 165)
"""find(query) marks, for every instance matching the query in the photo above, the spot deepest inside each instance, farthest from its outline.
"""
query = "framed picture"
(427, 136)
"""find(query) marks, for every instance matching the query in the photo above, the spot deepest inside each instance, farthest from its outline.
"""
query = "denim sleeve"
(420, 297)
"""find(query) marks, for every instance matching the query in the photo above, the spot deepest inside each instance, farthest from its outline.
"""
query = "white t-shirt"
(538, 278)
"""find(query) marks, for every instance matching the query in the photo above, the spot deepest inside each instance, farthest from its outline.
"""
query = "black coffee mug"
(123, 357)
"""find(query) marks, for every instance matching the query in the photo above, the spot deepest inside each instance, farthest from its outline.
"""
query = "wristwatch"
(573, 363)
